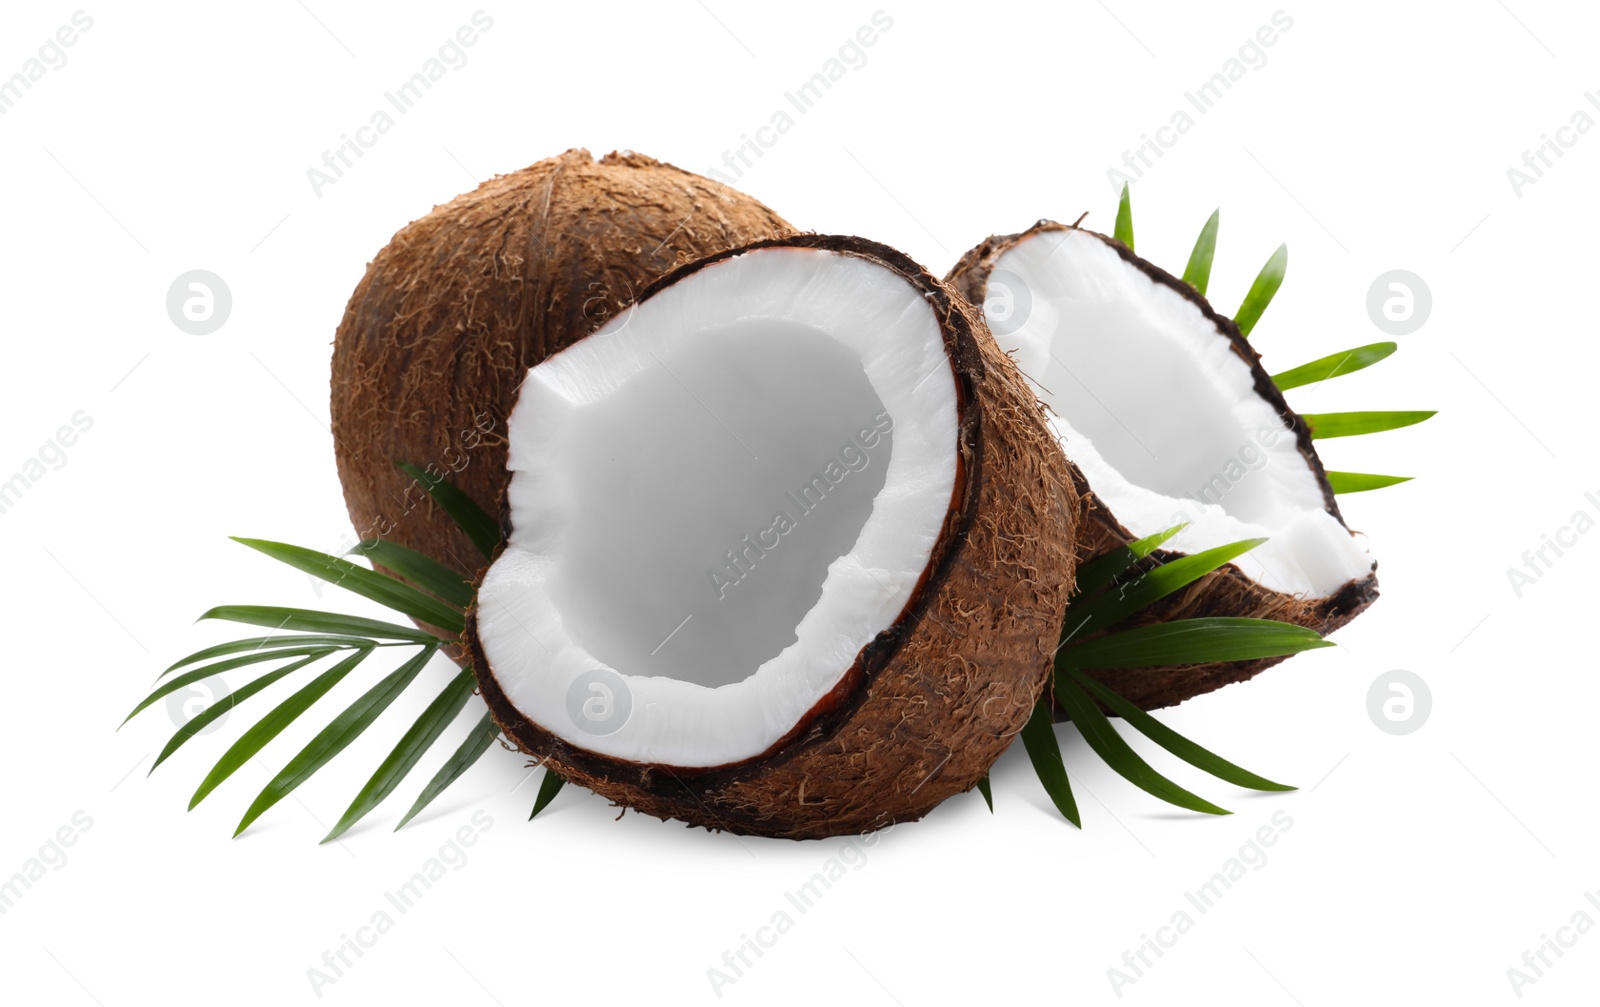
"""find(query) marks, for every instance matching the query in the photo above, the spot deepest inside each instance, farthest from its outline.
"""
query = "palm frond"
(1262, 291)
(1198, 272)
(402, 580)
(1123, 230)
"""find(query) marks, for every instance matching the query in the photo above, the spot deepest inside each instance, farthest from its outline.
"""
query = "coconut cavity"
(716, 502)
(1162, 414)
(723, 480)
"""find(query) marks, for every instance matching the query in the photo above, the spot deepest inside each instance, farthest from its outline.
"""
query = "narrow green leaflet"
(471, 750)
(1262, 291)
(427, 728)
(1114, 606)
(1171, 740)
(1360, 482)
(353, 577)
(1110, 746)
(255, 643)
(270, 726)
(1099, 572)
(1333, 365)
(334, 738)
(483, 530)
(1193, 641)
(987, 792)
(420, 570)
(188, 678)
(1044, 751)
(200, 721)
(1124, 228)
(305, 620)
(1325, 425)
(1198, 272)
(549, 787)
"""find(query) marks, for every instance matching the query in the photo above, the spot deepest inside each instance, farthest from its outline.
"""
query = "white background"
(1419, 868)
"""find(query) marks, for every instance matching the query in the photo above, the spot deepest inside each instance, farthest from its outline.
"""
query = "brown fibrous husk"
(935, 698)
(1227, 591)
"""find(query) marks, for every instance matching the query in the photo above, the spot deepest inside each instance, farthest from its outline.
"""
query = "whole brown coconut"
(455, 309)
(1228, 591)
(939, 688)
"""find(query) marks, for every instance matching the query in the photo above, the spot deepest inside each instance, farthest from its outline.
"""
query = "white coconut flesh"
(717, 500)
(1161, 416)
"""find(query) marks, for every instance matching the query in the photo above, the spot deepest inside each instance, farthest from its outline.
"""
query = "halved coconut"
(455, 309)
(790, 546)
(1168, 418)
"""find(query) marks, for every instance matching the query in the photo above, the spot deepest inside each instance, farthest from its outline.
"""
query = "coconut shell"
(454, 310)
(935, 698)
(1227, 591)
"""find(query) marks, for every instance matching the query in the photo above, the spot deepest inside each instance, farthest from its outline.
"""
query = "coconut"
(790, 546)
(1168, 418)
(455, 309)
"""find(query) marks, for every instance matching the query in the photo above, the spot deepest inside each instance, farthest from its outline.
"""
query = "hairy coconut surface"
(451, 313)
(1168, 418)
(888, 677)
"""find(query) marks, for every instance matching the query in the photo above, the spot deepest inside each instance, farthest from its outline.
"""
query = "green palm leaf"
(1104, 740)
(188, 678)
(1334, 365)
(270, 726)
(200, 721)
(309, 621)
(420, 570)
(549, 787)
(1044, 751)
(1193, 641)
(478, 742)
(1262, 291)
(1198, 272)
(1360, 482)
(480, 528)
(334, 738)
(1325, 425)
(987, 792)
(1171, 740)
(1124, 226)
(427, 728)
(1099, 572)
(267, 643)
(1113, 606)
(386, 591)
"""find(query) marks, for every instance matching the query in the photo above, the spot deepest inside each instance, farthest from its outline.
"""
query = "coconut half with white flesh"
(790, 543)
(1168, 418)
